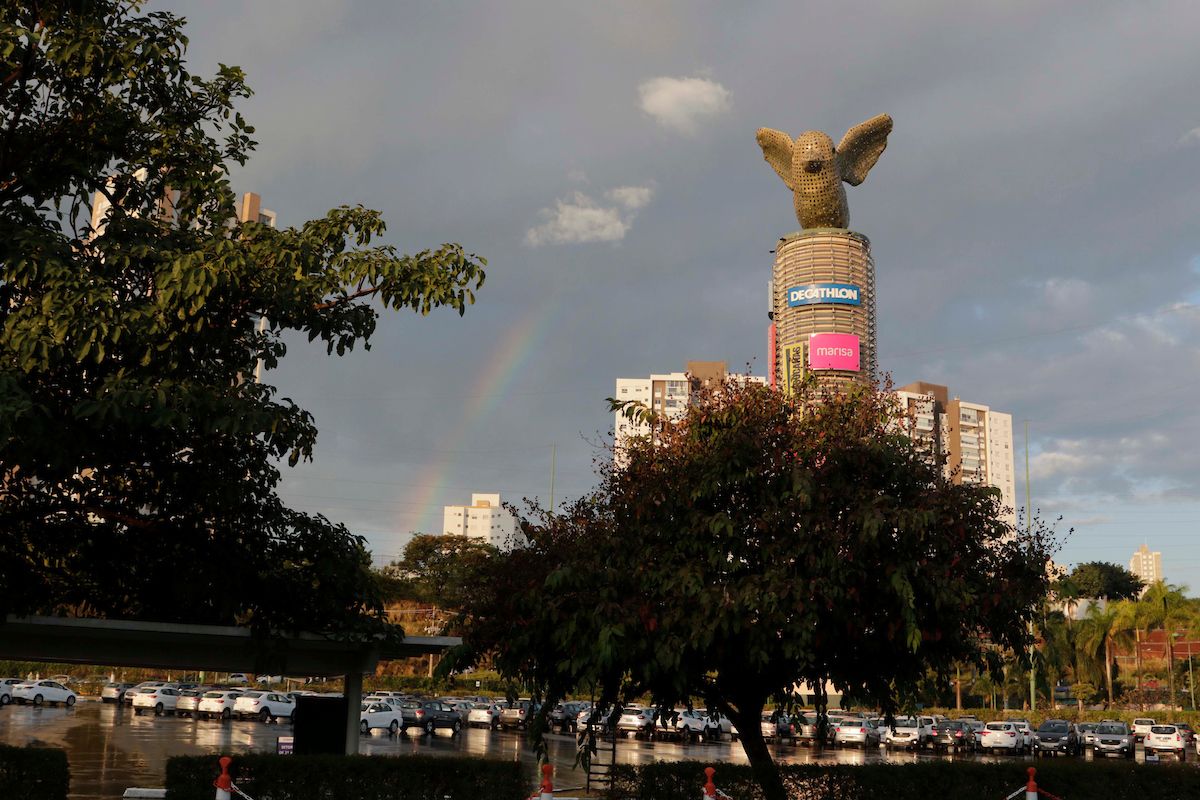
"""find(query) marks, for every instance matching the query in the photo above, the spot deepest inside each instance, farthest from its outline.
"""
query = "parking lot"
(110, 748)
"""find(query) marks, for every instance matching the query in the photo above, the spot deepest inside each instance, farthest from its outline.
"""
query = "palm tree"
(1131, 618)
(1100, 633)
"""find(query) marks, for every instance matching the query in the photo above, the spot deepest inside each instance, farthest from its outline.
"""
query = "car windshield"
(1053, 727)
(1111, 729)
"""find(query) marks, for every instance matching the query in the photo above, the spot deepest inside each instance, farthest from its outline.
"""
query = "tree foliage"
(757, 545)
(138, 457)
(1099, 580)
(442, 570)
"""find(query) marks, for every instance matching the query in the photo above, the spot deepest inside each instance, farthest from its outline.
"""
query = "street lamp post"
(1170, 655)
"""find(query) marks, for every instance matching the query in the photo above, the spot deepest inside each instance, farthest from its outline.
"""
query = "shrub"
(351, 778)
(1066, 778)
(33, 773)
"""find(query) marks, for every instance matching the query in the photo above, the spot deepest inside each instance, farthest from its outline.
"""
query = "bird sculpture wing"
(860, 148)
(777, 150)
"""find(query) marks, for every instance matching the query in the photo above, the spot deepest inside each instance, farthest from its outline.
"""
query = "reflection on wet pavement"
(111, 748)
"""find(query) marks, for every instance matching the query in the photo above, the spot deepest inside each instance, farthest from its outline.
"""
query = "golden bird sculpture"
(814, 170)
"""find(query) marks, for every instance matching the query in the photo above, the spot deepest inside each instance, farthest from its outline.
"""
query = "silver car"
(858, 732)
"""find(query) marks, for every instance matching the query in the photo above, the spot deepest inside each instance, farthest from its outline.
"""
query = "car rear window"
(906, 722)
(1143, 722)
(998, 726)
(1163, 729)
(253, 694)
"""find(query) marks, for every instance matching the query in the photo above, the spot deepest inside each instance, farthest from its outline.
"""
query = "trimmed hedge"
(1112, 780)
(272, 777)
(34, 773)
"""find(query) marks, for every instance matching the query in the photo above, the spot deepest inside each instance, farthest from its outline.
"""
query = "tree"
(138, 460)
(1100, 580)
(443, 570)
(1103, 630)
(759, 547)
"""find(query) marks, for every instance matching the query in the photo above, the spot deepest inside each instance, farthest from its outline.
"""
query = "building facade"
(667, 395)
(975, 441)
(486, 519)
(1146, 565)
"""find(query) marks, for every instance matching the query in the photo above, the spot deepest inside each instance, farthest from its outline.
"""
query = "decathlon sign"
(811, 294)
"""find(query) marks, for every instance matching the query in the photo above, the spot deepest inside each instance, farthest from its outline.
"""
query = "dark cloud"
(1033, 223)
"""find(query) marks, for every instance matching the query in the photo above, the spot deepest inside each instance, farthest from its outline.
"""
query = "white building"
(485, 519)
(667, 395)
(975, 440)
(1146, 565)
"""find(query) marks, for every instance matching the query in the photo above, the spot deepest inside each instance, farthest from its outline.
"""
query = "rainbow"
(506, 361)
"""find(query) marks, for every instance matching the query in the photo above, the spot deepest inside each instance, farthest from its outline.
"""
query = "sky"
(1033, 223)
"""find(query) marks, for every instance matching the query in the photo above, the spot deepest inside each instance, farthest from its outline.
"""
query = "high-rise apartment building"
(667, 395)
(486, 519)
(975, 440)
(1146, 565)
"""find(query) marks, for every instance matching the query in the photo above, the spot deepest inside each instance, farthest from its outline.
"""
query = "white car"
(6, 687)
(908, 732)
(132, 692)
(484, 715)
(637, 720)
(160, 699)
(1001, 736)
(189, 702)
(860, 732)
(1142, 726)
(39, 692)
(217, 703)
(379, 714)
(1167, 738)
(264, 705)
(1026, 734)
(114, 691)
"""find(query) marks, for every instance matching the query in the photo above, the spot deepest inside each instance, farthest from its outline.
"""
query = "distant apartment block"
(1146, 565)
(667, 395)
(249, 207)
(976, 441)
(485, 519)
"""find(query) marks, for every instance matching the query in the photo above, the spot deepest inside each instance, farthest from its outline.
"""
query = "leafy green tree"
(442, 570)
(1101, 634)
(761, 544)
(1100, 580)
(138, 460)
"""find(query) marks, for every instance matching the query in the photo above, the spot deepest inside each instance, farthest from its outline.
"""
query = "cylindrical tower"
(823, 298)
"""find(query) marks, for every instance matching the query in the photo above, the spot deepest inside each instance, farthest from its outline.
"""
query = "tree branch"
(343, 300)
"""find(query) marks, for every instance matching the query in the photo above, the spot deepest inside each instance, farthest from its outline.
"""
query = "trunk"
(1108, 669)
(1137, 660)
(766, 771)
(957, 689)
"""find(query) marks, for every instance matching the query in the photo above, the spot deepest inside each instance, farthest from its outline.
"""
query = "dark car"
(1056, 736)
(428, 715)
(1114, 739)
(953, 736)
(563, 717)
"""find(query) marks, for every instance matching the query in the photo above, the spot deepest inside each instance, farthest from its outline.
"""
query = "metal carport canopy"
(175, 646)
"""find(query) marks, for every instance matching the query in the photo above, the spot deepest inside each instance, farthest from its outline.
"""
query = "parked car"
(133, 691)
(857, 732)
(484, 715)
(1002, 736)
(1186, 731)
(563, 717)
(908, 732)
(805, 728)
(217, 703)
(113, 691)
(1142, 726)
(953, 736)
(189, 702)
(429, 715)
(637, 720)
(379, 714)
(1056, 737)
(1114, 738)
(159, 699)
(264, 705)
(775, 726)
(597, 720)
(1087, 734)
(1166, 738)
(6, 688)
(694, 725)
(1026, 733)
(39, 692)
(517, 714)
(238, 678)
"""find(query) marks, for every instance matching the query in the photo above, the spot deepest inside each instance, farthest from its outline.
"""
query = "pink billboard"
(833, 351)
